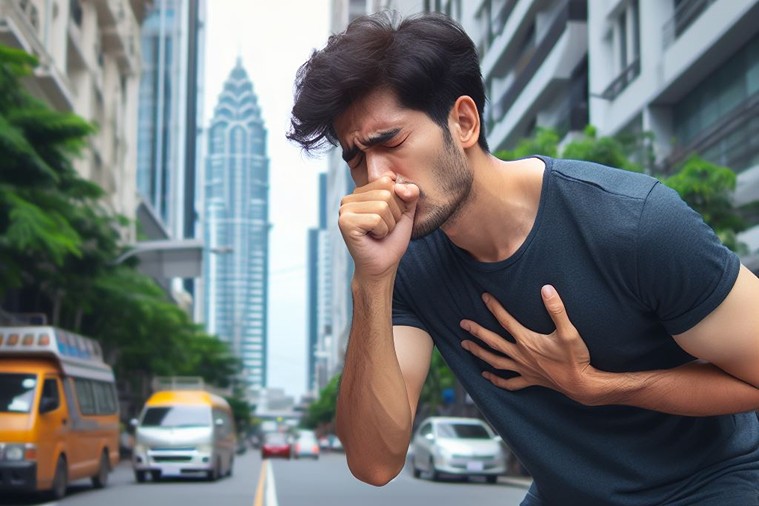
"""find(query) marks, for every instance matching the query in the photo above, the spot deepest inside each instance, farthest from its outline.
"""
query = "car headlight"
(19, 452)
(442, 452)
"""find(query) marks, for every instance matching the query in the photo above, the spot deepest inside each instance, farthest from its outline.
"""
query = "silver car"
(463, 447)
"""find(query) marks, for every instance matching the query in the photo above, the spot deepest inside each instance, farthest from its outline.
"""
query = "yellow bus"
(182, 432)
(59, 412)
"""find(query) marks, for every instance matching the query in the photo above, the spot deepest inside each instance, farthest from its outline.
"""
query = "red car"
(276, 445)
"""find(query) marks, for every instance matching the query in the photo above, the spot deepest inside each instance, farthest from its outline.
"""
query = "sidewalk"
(516, 481)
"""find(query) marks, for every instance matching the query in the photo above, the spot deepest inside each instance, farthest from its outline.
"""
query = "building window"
(626, 39)
(75, 9)
(686, 13)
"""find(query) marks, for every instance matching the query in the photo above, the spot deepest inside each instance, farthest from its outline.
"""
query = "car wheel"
(492, 478)
(417, 473)
(100, 480)
(60, 480)
(140, 476)
(434, 475)
(156, 475)
(213, 474)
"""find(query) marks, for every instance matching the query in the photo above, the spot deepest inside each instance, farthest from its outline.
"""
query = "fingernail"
(486, 297)
(548, 291)
(464, 324)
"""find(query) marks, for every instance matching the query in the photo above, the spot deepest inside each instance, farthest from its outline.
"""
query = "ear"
(465, 121)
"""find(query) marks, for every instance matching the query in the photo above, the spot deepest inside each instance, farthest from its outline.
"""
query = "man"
(596, 321)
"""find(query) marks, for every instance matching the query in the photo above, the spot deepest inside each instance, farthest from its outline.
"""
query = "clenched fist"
(376, 222)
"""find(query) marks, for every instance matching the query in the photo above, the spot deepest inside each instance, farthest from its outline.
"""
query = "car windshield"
(177, 416)
(17, 392)
(463, 431)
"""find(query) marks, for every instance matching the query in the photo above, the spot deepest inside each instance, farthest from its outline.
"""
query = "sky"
(273, 38)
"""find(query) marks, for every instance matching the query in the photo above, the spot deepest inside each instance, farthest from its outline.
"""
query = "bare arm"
(380, 387)
(385, 367)
(383, 375)
(724, 380)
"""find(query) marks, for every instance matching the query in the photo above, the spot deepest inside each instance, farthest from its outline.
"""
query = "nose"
(378, 166)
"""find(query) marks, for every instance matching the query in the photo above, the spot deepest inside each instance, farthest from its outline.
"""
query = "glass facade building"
(236, 231)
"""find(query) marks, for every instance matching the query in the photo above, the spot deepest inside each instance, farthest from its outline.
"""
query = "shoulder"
(595, 177)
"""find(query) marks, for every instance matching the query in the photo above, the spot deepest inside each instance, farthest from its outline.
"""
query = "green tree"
(706, 187)
(322, 411)
(439, 378)
(40, 192)
(58, 241)
(606, 150)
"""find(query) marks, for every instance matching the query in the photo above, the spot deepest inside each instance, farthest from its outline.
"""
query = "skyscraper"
(169, 104)
(236, 226)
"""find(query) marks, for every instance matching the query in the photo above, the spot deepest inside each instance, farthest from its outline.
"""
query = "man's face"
(381, 138)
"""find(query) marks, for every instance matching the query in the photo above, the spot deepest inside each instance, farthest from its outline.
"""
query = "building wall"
(169, 112)
(89, 64)
(620, 65)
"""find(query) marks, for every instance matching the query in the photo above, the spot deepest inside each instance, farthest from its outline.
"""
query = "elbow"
(373, 473)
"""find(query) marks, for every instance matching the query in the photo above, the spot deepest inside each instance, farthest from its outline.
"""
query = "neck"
(501, 208)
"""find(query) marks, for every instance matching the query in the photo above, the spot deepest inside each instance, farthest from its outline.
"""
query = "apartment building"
(89, 64)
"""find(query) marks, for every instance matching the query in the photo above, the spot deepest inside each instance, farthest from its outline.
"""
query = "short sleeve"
(403, 313)
(684, 271)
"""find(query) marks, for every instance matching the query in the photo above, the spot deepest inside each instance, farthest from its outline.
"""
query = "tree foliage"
(322, 411)
(705, 186)
(439, 378)
(58, 241)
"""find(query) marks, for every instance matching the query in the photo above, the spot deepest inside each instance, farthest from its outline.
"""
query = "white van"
(184, 432)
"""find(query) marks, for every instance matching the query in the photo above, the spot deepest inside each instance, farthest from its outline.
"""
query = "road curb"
(515, 481)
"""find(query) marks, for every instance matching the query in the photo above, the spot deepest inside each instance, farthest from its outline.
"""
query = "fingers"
(512, 384)
(497, 361)
(507, 321)
(376, 218)
(556, 311)
(488, 337)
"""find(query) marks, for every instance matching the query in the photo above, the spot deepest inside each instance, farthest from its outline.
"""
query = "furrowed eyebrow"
(350, 153)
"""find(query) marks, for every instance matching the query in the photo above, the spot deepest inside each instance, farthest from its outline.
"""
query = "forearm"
(694, 389)
(373, 414)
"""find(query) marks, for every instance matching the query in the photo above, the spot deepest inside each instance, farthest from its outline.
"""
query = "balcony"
(686, 13)
(119, 31)
(622, 81)
(19, 29)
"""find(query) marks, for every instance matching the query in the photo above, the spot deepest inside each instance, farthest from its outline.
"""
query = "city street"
(326, 481)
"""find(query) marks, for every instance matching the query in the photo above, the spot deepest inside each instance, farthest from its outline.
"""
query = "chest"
(620, 333)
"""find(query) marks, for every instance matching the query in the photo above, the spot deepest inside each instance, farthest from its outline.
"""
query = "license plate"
(474, 466)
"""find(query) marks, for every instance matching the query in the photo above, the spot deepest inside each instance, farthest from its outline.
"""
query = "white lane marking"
(271, 488)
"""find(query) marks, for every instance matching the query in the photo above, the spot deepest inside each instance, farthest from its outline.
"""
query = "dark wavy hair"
(426, 59)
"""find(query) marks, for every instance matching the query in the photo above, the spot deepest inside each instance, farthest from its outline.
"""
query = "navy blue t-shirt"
(633, 265)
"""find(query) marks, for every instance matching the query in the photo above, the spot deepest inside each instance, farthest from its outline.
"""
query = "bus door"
(80, 452)
(52, 427)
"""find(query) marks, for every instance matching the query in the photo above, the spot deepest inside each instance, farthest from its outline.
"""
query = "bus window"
(17, 392)
(50, 400)
(85, 396)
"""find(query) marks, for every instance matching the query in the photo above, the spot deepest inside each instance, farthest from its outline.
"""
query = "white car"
(453, 446)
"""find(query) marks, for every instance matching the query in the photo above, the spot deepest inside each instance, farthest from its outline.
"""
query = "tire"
(100, 480)
(434, 475)
(231, 466)
(60, 480)
(155, 475)
(140, 476)
(417, 473)
(492, 478)
(213, 474)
